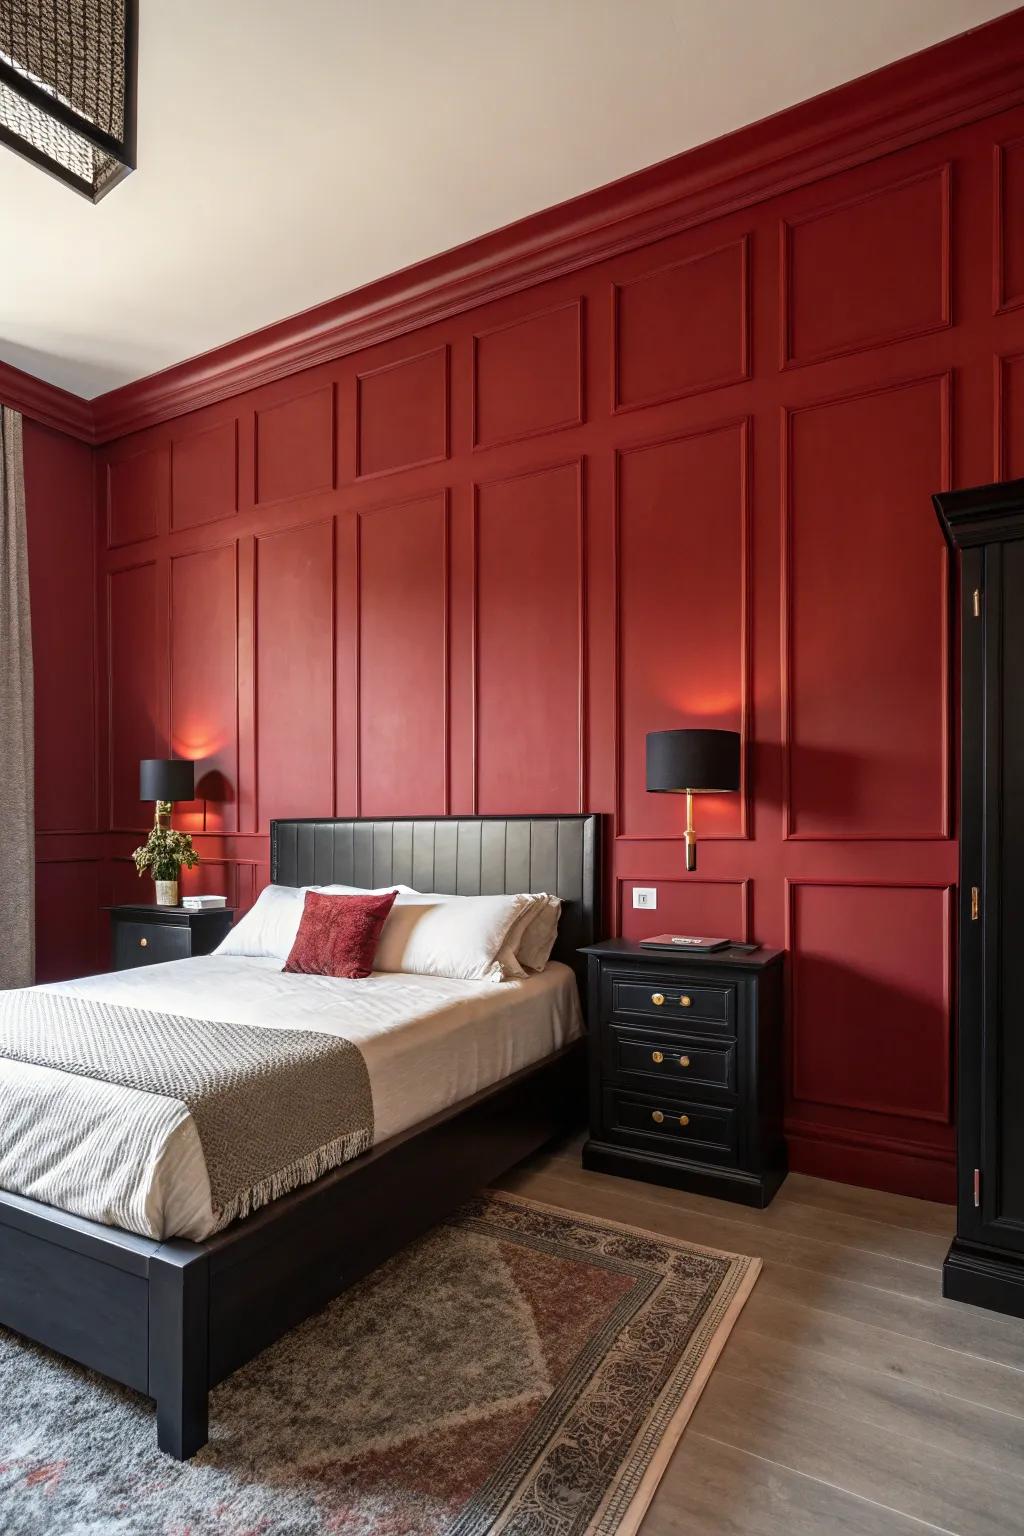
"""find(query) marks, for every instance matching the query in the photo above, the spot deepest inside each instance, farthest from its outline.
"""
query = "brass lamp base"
(690, 836)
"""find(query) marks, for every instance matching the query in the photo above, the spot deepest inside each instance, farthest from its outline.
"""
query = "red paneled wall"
(467, 570)
(70, 849)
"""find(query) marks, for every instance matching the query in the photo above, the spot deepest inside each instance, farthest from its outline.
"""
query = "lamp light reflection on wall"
(691, 763)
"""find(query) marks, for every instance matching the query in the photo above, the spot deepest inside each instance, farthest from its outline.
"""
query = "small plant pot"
(166, 893)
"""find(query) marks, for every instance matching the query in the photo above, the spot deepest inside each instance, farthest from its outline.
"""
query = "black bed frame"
(172, 1319)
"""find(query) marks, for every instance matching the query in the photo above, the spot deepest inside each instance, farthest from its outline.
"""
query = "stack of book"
(203, 903)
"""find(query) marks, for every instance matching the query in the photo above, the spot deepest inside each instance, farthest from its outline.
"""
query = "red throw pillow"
(338, 935)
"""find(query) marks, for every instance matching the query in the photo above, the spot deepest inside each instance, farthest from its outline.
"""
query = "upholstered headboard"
(459, 856)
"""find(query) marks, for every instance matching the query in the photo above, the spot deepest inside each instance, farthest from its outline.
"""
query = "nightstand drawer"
(686, 1006)
(149, 943)
(706, 1132)
(677, 1063)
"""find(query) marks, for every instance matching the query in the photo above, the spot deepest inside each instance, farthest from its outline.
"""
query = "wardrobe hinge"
(975, 903)
(977, 1188)
(976, 603)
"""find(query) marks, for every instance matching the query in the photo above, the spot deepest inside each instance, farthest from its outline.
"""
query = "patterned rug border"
(725, 1310)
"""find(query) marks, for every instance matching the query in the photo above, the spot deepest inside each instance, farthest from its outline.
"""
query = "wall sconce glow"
(689, 763)
(67, 89)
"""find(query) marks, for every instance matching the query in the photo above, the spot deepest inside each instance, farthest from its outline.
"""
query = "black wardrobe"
(985, 1264)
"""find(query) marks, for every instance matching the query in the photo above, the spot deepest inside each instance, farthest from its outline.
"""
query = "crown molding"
(45, 403)
(957, 81)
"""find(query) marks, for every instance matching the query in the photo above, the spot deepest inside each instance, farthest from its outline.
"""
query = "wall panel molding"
(678, 313)
(393, 399)
(533, 365)
(635, 923)
(398, 725)
(204, 475)
(894, 608)
(896, 1068)
(529, 742)
(1007, 205)
(294, 447)
(870, 269)
(690, 573)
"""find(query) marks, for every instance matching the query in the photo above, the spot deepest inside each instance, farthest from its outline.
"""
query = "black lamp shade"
(167, 778)
(695, 760)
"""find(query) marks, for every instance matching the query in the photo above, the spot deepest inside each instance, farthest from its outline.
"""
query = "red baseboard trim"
(897, 1167)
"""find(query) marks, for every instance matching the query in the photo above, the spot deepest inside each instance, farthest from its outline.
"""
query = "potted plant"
(163, 853)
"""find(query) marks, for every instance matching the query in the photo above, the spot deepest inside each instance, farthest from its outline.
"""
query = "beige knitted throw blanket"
(273, 1108)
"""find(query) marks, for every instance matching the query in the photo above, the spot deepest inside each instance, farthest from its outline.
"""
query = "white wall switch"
(645, 896)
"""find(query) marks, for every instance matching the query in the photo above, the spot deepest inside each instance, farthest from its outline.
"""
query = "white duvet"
(427, 1041)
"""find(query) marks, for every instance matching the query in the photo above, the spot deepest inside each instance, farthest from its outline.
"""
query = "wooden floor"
(851, 1398)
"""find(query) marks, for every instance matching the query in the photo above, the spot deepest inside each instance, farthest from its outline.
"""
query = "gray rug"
(520, 1370)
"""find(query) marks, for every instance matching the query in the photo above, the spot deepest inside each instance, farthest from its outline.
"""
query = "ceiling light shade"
(67, 88)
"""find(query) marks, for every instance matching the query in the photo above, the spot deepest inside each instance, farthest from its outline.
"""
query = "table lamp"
(166, 779)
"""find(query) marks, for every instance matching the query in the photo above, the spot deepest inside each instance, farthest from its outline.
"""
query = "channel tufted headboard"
(459, 856)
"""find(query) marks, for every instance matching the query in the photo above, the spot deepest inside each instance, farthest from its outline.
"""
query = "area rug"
(521, 1370)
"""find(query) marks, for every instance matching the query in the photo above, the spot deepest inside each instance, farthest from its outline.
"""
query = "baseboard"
(984, 1280)
(895, 1169)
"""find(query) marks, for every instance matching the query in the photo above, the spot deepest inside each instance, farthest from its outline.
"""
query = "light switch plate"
(645, 896)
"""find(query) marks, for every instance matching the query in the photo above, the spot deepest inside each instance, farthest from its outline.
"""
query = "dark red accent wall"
(466, 570)
(70, 847)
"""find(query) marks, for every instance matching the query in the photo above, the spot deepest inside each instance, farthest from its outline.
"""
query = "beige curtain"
(17, 814)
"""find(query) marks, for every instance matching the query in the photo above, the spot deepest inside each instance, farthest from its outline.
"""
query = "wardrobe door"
(1000, 1069)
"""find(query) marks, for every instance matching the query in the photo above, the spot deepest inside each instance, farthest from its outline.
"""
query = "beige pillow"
(458, 936)
(538, 937)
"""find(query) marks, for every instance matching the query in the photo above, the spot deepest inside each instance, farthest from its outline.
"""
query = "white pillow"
(538, 937)
(271, 923)
(458, 936)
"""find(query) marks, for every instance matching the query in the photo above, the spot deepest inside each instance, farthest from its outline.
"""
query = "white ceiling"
(290, 153)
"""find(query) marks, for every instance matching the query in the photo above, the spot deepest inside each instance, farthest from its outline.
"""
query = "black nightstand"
(145, 935)
(686, 1069)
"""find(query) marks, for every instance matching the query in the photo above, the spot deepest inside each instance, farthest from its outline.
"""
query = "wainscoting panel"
(527, 376)
(295, 446)
(1008, 163)
(865, 616)
(137, 686)
(715, 908)
(685, 485)
(869, 269)
(295, 671)
(62, 555)
(138, 495)
(877, 962)
(683, 622)
(402, 414)
(403, 667)
(682, 327)
(204, 475)
(530, 662)
(204, 682)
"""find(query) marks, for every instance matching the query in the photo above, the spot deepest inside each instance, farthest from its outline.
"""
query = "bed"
(498, 1073)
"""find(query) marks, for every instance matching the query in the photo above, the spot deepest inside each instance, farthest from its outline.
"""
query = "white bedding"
(428, 1042)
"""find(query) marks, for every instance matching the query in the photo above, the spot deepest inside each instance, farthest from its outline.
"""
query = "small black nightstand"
(686, 1069)
(145, 935)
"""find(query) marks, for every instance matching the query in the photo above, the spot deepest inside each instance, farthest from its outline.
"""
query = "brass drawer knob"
(684, 1119)
(657, 998)
(657, 1116)
(143, 943)
(684, 1001)
(684, 1061)
(658, 1057)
